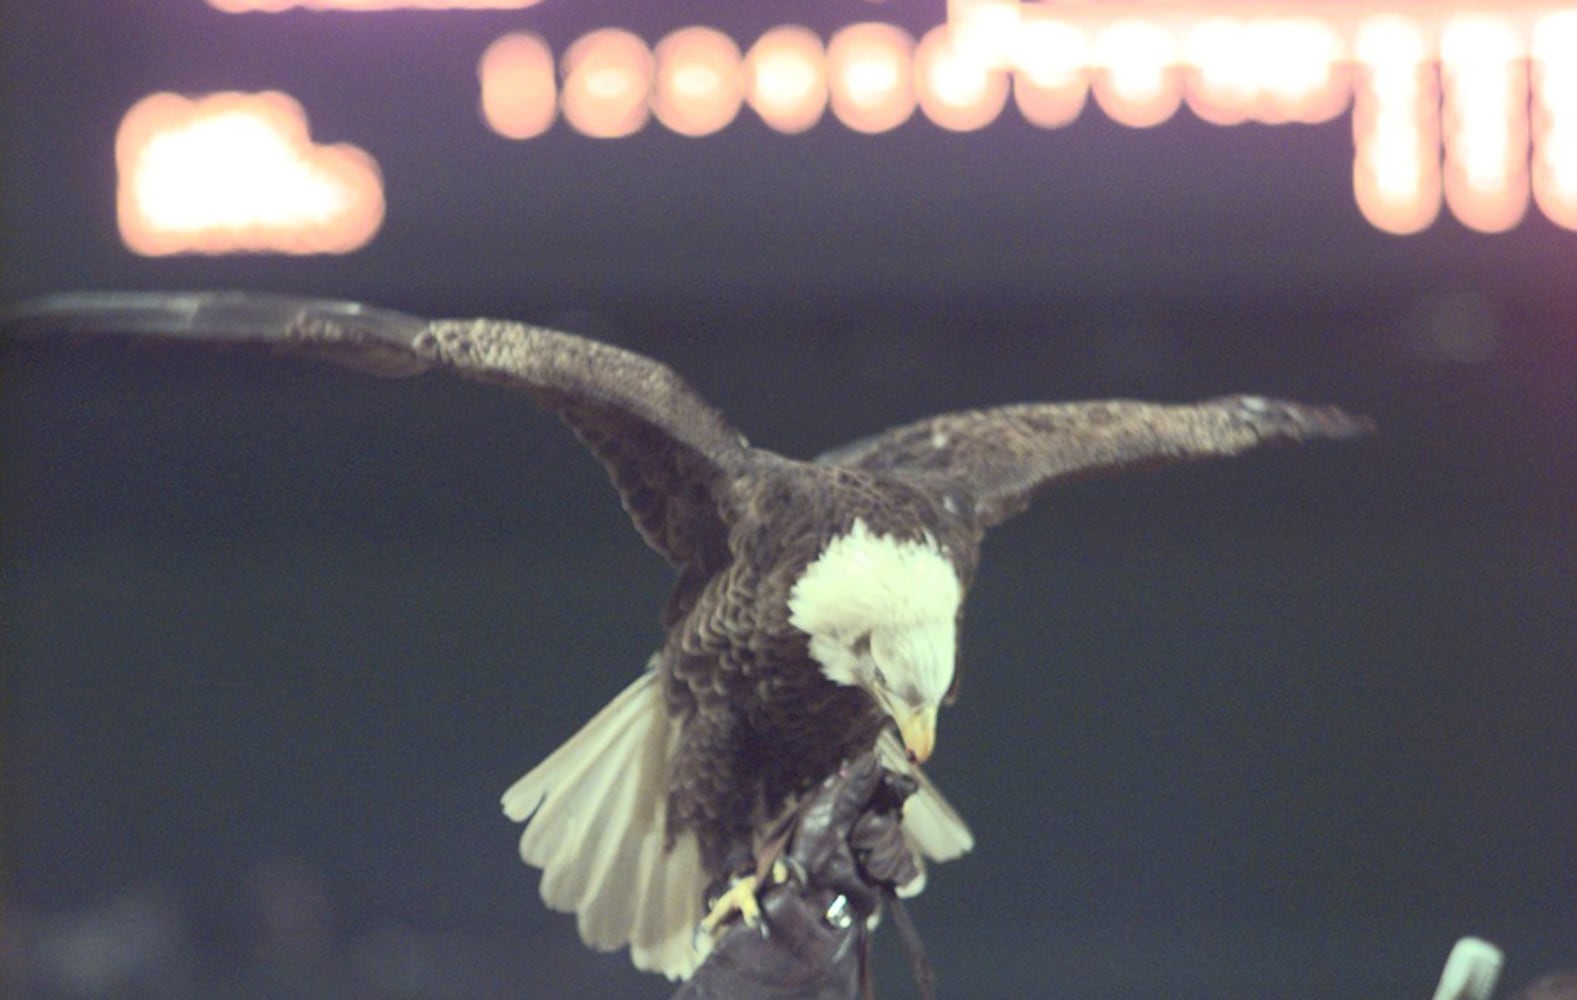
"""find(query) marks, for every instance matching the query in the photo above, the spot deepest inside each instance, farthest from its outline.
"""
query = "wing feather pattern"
(669, 453)
(1006, 456)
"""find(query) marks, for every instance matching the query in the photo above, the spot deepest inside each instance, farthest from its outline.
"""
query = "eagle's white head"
(882, 615)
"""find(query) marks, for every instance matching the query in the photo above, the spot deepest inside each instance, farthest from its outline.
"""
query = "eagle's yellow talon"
(741, 899)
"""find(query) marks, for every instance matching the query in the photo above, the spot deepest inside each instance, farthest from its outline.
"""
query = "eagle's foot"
(739, 898)
(786, 868)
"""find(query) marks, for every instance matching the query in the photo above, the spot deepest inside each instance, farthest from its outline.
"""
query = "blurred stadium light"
(608, 77)
(786, 78)
(236, 173)
(699, 82)
(1469, 106)
(519, 88)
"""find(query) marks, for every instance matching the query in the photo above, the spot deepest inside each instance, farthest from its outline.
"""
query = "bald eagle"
(817, 603)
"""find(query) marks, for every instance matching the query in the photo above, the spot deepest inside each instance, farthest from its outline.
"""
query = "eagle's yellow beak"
(918, 729)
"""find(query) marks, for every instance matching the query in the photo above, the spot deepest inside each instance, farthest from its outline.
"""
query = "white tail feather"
(932, 828)
(596, 812)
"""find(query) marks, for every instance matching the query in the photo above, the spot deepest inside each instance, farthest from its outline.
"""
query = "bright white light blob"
(988, 31)
(1137, 82)
(607, 82)
(1554, 52)
(1396, 127)
(956, 90)
(1267, 69)
(1051, 62)
(786, 78)
(519, 93)
(1485, 81)
(870, 76)
(700, 83)
(233, 172)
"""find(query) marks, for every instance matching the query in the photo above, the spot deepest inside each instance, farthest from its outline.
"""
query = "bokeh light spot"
(607, 80)
(519, 94)
(1396, 127)
(1268, 69)
(786, 78)
(700, 83)
(1138, 82)
(1051, 63)
(1485, 132)
(235, 172)
(1555, 117)
(956, 89)
(870, 76)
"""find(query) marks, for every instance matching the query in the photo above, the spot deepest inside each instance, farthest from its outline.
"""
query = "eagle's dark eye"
(862, 645)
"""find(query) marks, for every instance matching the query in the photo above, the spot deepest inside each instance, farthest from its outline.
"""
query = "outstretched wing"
(1007, 456)
(671, 456)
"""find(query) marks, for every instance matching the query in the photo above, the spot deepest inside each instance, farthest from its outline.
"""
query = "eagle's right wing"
(670, 455)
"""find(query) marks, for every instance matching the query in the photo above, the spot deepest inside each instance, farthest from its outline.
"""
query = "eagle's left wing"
(670, 455)
(1005, 457)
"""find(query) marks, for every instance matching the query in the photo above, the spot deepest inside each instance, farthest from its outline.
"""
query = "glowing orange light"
(700, 83)
(1138, 83)
(1234, 60)
(956, 91)
(519, 95)
(1265, 69)
(1555, 117)
(607, 77)
(274, 6)
(870, 74)
(1050, 79)
(239, 172)
(1396, 127)
(986, 31)
(1485, 82)
(786, 78)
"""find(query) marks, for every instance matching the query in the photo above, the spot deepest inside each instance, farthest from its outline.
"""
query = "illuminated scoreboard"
(1468, 106)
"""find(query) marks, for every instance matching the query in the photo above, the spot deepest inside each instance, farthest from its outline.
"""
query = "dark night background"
(277, 636)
